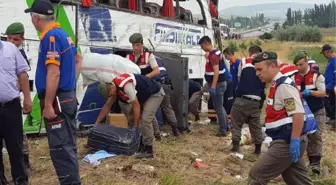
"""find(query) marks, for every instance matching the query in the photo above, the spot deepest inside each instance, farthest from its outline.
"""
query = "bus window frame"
(140, 11)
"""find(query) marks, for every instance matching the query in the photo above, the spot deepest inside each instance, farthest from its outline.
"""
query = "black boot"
(158, 137)
(314, 163)
(175, 131)
(141, 146)
(257, 149)
(235, 146)
(197, 117)
(26, 160)
(146, 153)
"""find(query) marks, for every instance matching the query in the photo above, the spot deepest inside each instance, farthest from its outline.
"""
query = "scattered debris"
(237, 155)
(239, 177)
(199, 164)
(142, 168)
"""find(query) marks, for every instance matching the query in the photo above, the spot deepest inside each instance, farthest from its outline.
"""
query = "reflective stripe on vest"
(287, 69)
(208, 66)
(143, 63)
(162, 69)
(276, 118)
(247, 62)
(309, 80)
(120, 82)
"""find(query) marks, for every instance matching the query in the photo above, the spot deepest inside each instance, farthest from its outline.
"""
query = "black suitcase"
(115, 140)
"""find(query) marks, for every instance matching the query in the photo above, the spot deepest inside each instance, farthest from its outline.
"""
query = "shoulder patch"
(289, 104)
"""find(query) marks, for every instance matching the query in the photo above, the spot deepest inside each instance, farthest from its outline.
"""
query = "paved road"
(252, 34)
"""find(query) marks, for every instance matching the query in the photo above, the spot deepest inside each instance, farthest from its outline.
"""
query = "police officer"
(312, 63)
(55, 84)
(216, 76)
(143, 97)
(284, 124)
(15, 35)
(153, 67)
(312, 86)
(330, 81)
(247, 106)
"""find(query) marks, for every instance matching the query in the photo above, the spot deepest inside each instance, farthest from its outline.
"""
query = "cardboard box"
(117, 120)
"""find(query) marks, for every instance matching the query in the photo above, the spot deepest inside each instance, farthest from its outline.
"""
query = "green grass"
(314, 53)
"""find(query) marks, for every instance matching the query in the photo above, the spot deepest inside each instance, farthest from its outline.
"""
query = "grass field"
(173, 160)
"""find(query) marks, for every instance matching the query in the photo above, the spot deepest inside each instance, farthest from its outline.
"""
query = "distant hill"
(272, 10)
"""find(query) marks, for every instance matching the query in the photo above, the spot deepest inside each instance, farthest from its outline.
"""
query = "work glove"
(212, 91)
(294, 149)
(306, 93)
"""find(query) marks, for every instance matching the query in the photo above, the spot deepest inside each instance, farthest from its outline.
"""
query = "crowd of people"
(297, 102)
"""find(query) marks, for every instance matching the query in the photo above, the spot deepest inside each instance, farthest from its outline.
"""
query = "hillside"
(272, 10)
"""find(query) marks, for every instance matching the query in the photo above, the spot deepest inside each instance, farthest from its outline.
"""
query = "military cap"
(103, 90)
(299, 56)
(135, 38)
(266, 55)
(15, 28)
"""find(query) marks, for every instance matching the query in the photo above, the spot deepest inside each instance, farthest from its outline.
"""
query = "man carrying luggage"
(143, 97)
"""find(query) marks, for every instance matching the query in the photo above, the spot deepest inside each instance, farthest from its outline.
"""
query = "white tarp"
(103, 68)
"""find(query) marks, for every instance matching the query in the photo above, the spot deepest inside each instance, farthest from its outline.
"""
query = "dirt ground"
(173, 162)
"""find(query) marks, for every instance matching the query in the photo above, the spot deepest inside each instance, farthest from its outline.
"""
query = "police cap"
(15, 28)
(103, 90)
(266, 55)
(135, 38)
(299, 56)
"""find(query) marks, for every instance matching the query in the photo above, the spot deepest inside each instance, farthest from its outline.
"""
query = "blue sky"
(230, 3)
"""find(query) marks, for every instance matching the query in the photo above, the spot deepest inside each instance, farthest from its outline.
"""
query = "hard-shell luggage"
(112, 139)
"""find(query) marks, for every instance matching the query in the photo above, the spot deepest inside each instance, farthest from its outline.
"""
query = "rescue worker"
(284, 124)
(330, 81)
(312, 86)
(153, 67)
(15, 35)
(216, 76)
(247, 106)
(55, 82)
(234, 66)
(13, 71)
(142, 97)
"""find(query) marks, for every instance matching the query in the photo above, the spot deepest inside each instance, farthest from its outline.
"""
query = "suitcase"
(115, 140)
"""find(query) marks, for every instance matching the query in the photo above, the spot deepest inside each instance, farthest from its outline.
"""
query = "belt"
(42, 95)
(248, 98)
(6, 103)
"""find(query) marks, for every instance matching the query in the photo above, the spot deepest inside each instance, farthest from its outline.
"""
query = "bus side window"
(152, 9)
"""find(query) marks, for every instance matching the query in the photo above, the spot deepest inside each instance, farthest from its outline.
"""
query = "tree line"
(246, 22)
(322, 15)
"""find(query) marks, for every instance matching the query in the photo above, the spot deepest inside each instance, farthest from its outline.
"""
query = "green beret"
(135, 38)
(15, 28)
(299, 56)
(266, 55)
(103, 90)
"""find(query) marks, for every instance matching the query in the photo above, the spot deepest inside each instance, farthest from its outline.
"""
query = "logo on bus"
(176, 34)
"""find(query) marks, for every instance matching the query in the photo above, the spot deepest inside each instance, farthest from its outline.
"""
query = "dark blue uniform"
(61, 130)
